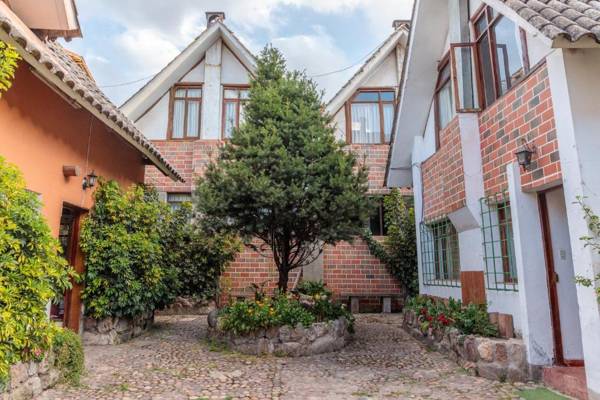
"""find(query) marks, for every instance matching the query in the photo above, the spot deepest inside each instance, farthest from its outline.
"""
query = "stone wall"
(28, 380)
(491, 358)
(115, 330)
(321, 337)
(188, 306)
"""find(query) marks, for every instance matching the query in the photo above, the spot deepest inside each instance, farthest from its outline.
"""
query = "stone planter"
(492, 358)
(115, 330)
(322, 337)
(28, 380)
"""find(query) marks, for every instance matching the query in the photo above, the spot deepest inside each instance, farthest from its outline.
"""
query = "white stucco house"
(483, 81)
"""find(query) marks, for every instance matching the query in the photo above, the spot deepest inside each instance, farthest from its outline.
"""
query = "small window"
(234, 100)
(372, 116)
(444, 100)
(186, 107)
(176, 199)
(501, 48)
(377, 220)
(440, 254)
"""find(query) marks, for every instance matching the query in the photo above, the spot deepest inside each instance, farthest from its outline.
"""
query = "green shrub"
(197, 257)
(32, 272)
(8, 65)
(472, 319)
(324, 309)
(68, 353)
(247, 316)
(121, 239)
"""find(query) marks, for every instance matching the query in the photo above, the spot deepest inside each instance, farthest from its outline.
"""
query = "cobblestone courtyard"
(174, 361)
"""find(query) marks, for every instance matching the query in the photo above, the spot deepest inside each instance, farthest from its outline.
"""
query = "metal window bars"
(440, 253)
(498, 243)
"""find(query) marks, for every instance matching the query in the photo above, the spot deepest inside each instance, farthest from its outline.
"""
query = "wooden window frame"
(238, 102)
(477, 78)
(380, 104)
(445, 61)
(492, 20)
(172, 98)
(381, 217)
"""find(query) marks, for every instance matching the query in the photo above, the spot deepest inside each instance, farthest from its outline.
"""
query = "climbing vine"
(593, 241)
(8, 65)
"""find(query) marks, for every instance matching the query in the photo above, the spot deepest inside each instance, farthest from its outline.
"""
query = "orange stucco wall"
(40, 133)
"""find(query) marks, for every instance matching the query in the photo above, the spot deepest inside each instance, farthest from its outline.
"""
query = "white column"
(211, 93)
(575, 86)
(534, 301)
(418, 201)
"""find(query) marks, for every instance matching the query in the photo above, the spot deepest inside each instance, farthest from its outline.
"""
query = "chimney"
(214, 16)
(399, 23)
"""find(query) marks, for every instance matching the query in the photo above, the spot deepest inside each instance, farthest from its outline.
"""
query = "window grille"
(498, 244)
(176, 199)
(440, 254)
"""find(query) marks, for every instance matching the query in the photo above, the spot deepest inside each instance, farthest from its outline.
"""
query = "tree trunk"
(282, 285)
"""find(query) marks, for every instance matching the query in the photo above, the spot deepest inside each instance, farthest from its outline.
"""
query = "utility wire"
(127, 83)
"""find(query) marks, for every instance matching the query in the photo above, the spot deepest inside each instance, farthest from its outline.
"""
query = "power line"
(127, 83)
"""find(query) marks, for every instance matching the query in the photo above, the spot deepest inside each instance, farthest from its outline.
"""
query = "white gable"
(386, 75)
(196, 74)
(232, 71)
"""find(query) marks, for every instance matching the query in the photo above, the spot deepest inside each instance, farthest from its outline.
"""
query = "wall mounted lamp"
(89, 181)
(524, 154)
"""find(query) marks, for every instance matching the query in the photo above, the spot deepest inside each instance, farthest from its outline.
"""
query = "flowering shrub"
(324, 309)
(437, 315)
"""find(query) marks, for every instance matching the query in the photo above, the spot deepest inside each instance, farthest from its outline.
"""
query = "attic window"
(372, 116)
(186, 110)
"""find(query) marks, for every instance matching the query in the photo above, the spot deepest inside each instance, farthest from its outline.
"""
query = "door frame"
(552, 280)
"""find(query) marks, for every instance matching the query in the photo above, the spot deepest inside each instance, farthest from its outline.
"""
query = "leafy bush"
(32, 272)
(472, 319)
(247, 316)
(324, 309)
(68, 352)
(197, 257)
(8, 65)
(399, 249)
(121, 239)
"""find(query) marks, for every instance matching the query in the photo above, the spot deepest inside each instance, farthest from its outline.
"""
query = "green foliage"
(472, 319)
(324, 309)
(32, 272)
(250, 315)
(125, 272)
(284, 178)
(197, 257)
(68, 352)
(399, 249)
(593, 241)
(8, 65)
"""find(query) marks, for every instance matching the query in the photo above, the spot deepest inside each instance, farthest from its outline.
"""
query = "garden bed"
(320, 337)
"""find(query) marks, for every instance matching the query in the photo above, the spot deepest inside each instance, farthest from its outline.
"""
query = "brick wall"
(443, 176)
(525, 112)
(375, 157)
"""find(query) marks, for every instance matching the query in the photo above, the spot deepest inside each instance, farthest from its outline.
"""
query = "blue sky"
(127, 40)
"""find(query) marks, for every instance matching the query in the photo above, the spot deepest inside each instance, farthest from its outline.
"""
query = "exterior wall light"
(89, 181)
(524, 154)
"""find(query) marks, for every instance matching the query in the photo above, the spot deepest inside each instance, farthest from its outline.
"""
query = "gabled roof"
(53, 63)
(566, 23)
(152, 91)
(399, 36)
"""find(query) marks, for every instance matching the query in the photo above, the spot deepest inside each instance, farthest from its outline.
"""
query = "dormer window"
(186, 110)
(371, 116)
(234, 100)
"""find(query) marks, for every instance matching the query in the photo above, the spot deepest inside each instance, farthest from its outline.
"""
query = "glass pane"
(180, 93)
(375, 221)
(444, 74)
(178, 115)
(230, 118)
(388, 121)
(481, 23)
(242, 113)
(175, 199)
(466, 80)
(486, 70)
(387, 96)
(197, 93)
(193, 119)
(509, 55)
(244, 94)
(367, 96)
(231, 94)
(365, 123)
(445, 104)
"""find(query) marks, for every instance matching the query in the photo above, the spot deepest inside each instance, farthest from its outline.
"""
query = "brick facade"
(348, 269)
(443, 176)
(523, 113)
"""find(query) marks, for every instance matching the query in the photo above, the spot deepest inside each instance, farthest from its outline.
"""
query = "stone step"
(568, 380)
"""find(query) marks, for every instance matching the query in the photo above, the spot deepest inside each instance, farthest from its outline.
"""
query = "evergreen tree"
(284, 178)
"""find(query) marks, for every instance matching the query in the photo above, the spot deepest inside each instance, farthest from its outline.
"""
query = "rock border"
(491, 358)
(28, 380)
(320, 337)
(115, 330)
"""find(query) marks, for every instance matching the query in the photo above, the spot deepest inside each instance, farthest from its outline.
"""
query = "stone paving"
(175, 361)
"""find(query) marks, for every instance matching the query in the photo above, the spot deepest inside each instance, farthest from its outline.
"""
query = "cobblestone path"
(173, 361)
